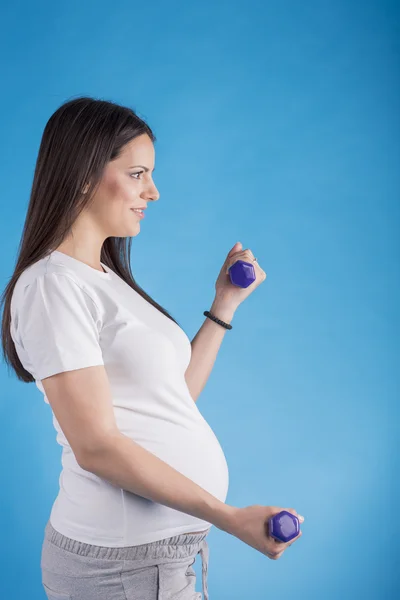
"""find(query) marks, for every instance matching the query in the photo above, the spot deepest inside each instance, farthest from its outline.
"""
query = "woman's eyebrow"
(142, 166)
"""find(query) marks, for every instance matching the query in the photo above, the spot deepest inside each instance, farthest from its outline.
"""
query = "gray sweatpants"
(73, 570)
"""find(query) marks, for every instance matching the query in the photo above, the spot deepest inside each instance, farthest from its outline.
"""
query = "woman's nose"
(152, 193)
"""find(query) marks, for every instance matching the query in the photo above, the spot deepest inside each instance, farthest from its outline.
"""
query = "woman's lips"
(139, 214)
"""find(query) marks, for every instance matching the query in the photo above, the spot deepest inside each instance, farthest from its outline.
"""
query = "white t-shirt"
(66, 315)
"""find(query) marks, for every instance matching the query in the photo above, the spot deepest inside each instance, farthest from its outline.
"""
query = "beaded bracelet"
(207, 313)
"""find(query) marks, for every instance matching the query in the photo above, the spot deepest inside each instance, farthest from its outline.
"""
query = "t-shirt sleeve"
(58, 326)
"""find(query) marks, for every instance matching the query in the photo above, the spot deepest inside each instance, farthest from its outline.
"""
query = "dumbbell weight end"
(242, 273)
(284, 526)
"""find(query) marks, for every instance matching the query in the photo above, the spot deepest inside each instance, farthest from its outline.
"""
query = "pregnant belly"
(196, 453)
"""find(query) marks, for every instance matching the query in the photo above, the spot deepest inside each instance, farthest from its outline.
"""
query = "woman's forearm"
(127, 465)
(205, 347)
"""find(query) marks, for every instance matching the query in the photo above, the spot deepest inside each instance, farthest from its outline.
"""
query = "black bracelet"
(207, 313)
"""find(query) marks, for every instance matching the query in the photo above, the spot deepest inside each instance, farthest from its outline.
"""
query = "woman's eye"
(138, 173)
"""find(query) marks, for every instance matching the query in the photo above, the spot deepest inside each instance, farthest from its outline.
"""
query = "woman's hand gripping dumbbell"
(268, 529)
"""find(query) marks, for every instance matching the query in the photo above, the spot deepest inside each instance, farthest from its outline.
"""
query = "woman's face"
(125, 185)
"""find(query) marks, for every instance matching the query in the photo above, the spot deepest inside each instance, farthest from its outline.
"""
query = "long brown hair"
(79, 139)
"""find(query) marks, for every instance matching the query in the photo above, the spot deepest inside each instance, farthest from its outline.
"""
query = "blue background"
(277, 126)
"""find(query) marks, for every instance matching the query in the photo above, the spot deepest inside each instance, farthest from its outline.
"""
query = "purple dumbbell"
(242, 273)
(284, 526)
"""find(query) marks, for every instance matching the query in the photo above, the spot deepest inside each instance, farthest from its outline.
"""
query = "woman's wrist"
(222, 310)
(224, 517)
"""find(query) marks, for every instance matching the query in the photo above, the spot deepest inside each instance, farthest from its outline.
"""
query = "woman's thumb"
(236, 248)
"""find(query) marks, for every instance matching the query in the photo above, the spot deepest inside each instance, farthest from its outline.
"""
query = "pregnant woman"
(143, 475)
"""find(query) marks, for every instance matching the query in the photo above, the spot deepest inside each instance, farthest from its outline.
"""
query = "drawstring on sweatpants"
(204, 552)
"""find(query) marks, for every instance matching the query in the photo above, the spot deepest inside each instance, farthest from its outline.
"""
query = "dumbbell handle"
(284, 526)
(242, 273)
